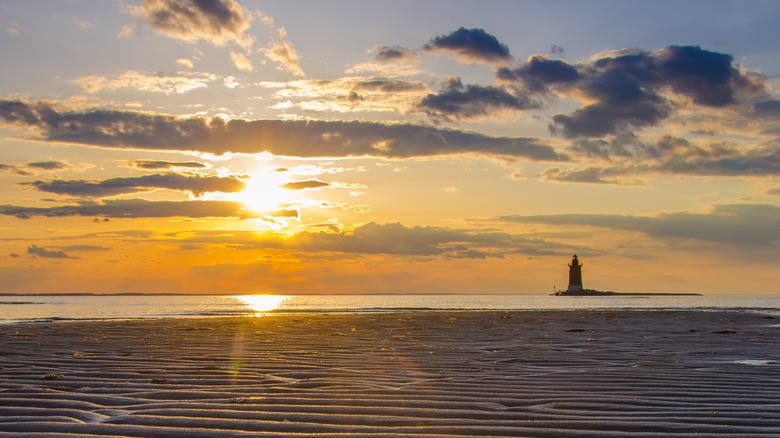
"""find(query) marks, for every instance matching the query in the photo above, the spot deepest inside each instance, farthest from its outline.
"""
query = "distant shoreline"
(151, 294)
(598, 293)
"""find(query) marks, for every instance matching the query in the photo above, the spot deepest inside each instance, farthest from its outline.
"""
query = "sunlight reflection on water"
(263, 303)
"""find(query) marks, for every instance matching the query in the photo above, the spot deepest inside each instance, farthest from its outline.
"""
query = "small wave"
(18, 302)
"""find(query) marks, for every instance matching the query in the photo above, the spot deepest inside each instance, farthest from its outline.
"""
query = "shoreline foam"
(474, 373)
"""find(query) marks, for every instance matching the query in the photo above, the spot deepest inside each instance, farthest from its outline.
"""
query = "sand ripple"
(535, 374)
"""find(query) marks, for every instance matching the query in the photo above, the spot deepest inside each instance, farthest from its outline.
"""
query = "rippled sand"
(535, 374)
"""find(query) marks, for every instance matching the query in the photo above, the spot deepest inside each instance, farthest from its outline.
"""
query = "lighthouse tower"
(575, 275)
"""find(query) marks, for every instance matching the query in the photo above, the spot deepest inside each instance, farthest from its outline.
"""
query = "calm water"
(47, 308)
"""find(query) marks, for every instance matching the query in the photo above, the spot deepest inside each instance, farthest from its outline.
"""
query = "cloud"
(740, 225)
(279, 31)
(157, 83)
(241, 62)
(397, 239)
(216, 21)
(140, 208)
(590, 175)
(9, 168)
(621, 103)
(473, 101)
(308, 184)
(387, 85)
(295, 138)
(349, 94)
(634, 89)
(197, 185)
(156, 164)
(284, 53)
(627, 156)
(86, 248)
(628, 88)
(32, 167)
(391, 239)
(471, 46)
(394, 54)
(185, 62)
(83, 23)
(43, 252)
(48, 165)
(539, 72)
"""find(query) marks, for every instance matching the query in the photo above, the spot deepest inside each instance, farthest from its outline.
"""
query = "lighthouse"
(575, 275)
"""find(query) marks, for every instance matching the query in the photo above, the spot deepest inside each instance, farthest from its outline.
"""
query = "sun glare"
(263, 303)
(263, 192)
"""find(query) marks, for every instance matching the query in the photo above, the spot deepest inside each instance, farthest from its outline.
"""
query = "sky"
(346, 147)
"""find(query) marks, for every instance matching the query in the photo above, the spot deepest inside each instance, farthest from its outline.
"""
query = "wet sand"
(534, 374)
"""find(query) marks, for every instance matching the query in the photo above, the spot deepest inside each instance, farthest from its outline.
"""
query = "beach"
(594, 373)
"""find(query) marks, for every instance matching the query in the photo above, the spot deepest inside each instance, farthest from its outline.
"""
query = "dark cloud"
(630, 88)
(458, 101)
(394, 54)
(622, 102)
(709, 78)
(308, 184)
(539, 72)
(556, 50)
(43, 252)
(471, 45)
(155, 164)
(389, 86)
(8, 168)
(296, 138)
(217, 21)
(140, 208)
(744, 225)
(195, 184)
(590, 175)
(627, 145)
(48, 165)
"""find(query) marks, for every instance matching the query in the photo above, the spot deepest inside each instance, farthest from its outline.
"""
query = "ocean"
(47, 308)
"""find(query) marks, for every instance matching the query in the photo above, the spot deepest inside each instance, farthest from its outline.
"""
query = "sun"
(263, 192)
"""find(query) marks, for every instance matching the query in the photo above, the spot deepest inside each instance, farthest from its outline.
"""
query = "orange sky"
(445, 147)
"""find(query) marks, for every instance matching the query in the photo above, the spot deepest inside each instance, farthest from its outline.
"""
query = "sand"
(532, 373)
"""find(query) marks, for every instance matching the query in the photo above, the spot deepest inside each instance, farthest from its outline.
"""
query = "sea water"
(43, 308)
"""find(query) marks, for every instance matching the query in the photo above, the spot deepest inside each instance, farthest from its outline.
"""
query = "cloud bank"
(389, 239)
(739, 225)
(195, 184)
(141, 208)
(137, 130)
